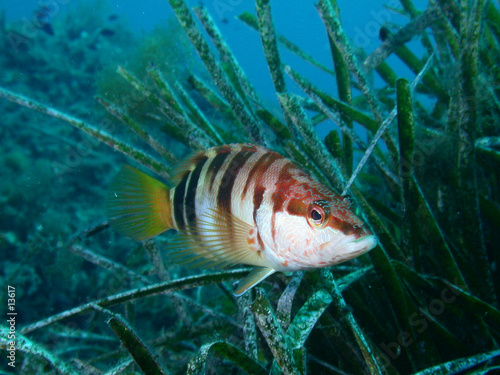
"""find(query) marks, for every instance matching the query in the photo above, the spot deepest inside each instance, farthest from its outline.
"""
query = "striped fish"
(241, 203)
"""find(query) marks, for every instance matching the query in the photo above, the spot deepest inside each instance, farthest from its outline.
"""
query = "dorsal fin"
(185, 165)
(138, 205)
(192, 160)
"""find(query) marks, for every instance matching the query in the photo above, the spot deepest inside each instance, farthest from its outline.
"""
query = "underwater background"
(89, 86)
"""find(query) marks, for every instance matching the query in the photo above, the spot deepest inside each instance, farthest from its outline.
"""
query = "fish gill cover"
(89, 301)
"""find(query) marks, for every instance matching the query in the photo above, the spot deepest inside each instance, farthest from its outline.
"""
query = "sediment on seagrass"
(284, 306)
(450, 38)
(299, 152)
(383, 128)
(247, 319)
(404, 35)
(341, 310)
(138, 129)
(335, 105)
(220, 78)
(251, 21)
(318, 99)
(141, 354)
(27, 345)
(299, 329)
(148, 291)
(176, 120)
(268, 324)
(179, 108)
(233, 69)
(406, 135)
(337, 35)
(270, 44)
(342, 76)
(163, 274)
(460, 364)
(471, 235)
(322, 157)
(196, 306)
(156, 259)
(434, 286)
(105, 137)
(430, 84)
(230, 352)
(306, 318)
(391, 281)
(416, 283)
(333, 145)
(106, 263)
(274, 123)
(198, 118)
(213, 97)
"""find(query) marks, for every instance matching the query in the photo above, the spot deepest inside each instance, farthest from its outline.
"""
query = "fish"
(42, 17)
(240, 204)
(107, 32)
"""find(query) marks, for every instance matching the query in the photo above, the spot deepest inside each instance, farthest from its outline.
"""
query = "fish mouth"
(362, 245)
(354, 248)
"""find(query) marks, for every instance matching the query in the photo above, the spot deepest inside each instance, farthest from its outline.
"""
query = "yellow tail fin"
(138, 205)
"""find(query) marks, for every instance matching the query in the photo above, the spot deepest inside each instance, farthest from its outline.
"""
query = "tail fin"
(138, 205)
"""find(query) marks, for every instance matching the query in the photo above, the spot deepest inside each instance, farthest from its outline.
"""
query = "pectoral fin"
(254, 277)
(216, 241)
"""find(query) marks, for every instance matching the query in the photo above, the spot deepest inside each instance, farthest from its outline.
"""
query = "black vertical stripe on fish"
(228, 179)
(179, 202)
(224, 195)
(190, 198)
(214, 167)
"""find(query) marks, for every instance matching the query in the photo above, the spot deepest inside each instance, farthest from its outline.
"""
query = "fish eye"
(318, 213)
(316, 216)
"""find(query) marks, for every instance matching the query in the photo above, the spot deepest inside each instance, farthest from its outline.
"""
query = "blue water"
(361, 20)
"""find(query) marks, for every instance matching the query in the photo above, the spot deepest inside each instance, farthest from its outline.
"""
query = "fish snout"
(350, 247)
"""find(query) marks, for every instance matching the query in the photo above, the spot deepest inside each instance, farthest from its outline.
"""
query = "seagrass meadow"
(419, 158)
